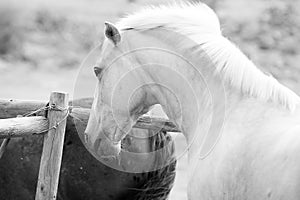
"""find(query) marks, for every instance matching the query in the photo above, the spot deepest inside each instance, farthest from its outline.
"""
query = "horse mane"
(201, 24)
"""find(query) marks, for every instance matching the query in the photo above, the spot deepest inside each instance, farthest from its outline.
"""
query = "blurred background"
(43, 43)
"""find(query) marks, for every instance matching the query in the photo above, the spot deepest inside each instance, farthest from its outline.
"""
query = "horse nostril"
(86, 138)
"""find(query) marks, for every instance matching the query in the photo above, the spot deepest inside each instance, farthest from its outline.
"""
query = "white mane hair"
(201, 24)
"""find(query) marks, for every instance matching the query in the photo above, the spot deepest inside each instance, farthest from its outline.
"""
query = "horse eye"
(97, 70)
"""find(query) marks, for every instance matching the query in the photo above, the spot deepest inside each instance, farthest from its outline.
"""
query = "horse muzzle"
(108, 148)
(103, 147)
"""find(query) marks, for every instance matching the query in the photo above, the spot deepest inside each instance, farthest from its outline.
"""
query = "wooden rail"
(26, 126)
(22, 126)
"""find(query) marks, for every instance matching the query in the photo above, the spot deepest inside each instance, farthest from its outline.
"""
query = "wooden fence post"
(52, 150)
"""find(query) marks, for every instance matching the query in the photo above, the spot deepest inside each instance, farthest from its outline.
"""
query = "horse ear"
(112, 33)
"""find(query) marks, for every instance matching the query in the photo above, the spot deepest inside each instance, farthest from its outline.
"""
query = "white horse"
(242, 126)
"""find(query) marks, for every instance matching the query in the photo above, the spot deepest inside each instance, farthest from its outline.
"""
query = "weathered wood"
(52, 150)
(23, 126)
(27, 126)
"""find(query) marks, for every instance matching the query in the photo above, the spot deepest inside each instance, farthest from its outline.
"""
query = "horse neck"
(191, 104)
(211, 109)
(196, 104)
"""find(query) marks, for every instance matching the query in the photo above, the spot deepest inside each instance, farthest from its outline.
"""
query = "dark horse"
(82, 176)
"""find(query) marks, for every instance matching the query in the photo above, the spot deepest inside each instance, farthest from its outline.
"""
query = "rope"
(32, 113)
(56, 108)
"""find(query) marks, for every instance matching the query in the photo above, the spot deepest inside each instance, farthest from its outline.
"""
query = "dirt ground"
(43, 45)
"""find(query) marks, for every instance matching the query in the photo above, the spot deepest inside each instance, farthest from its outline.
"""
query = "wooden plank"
(52, 149)
(23, 126)
(28, 126)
